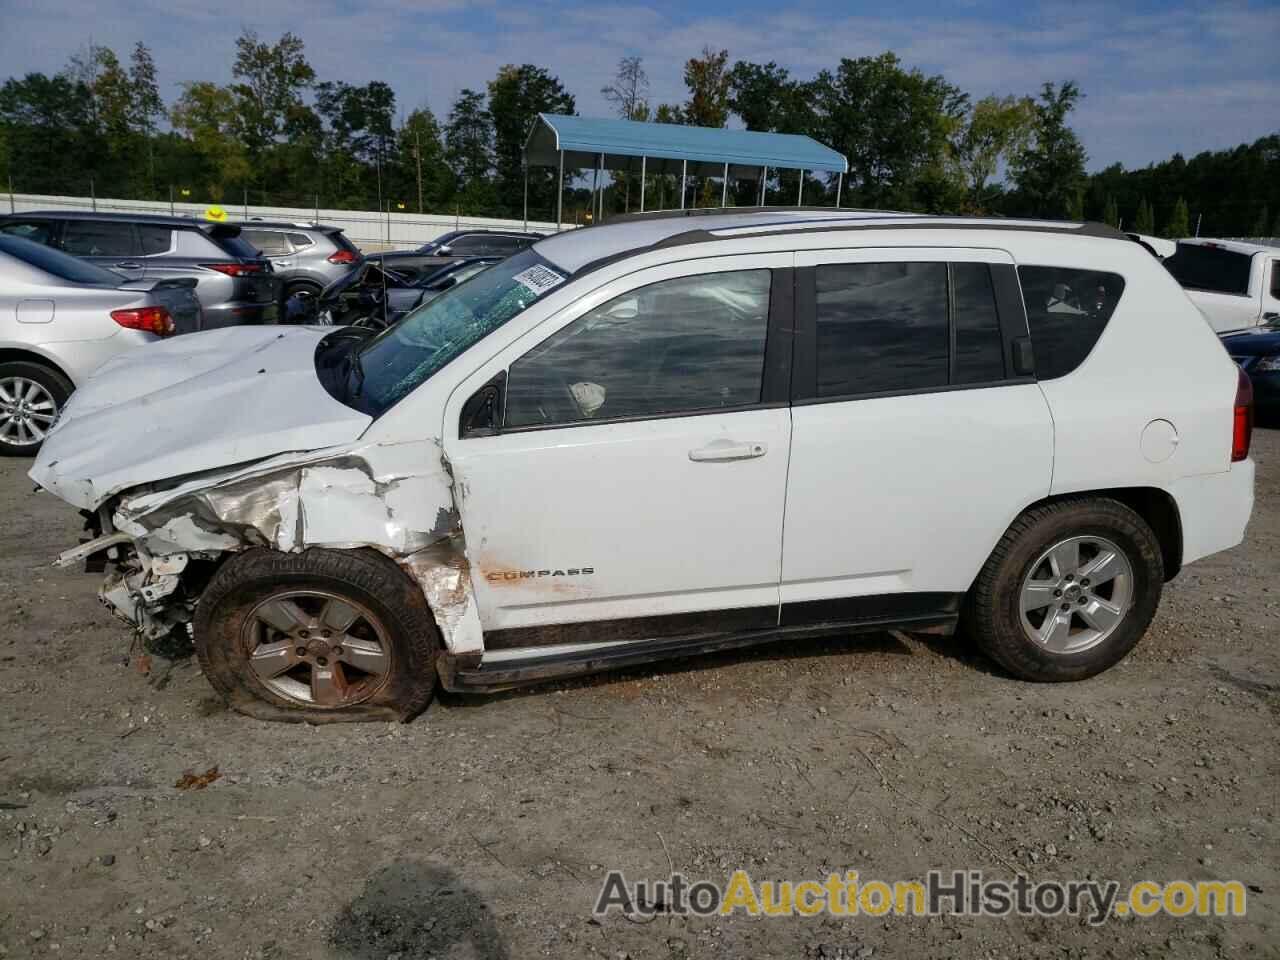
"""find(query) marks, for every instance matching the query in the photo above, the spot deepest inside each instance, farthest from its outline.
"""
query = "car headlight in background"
(1268, 364)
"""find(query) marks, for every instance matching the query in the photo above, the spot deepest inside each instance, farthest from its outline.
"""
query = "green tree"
(47, 132)
(207, 114)
(1145, 220)
(270, 81)
(765, 97)
(1050, 169)
(894, 125)
(1260, 225)
(516, 96)
(996, 129)
(707, 78)
(1179, 224)
(1075, 206)
(422, 173)
(1111, 213)
(468, 149)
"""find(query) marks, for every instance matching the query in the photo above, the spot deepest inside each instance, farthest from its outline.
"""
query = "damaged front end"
(163, 543)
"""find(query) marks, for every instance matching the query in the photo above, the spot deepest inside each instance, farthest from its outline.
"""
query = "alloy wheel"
(1076, 594)
(317, 648)
(27, 411)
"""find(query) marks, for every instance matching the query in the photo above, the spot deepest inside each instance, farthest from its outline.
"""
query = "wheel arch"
(1157, 508)
(32, 355)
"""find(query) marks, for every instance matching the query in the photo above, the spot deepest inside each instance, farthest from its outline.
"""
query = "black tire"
(57, 386)
(362, 577)
(301, 286)
(993, 615)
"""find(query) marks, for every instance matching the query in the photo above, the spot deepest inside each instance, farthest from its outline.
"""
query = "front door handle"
(720, 450)
(129, 265)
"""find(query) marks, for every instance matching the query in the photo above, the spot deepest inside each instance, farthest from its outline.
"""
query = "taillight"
(343, 256)
(236, 269)
(151, 319)
(1242, 419)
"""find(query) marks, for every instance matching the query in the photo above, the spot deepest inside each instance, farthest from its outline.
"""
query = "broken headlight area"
(156, 595)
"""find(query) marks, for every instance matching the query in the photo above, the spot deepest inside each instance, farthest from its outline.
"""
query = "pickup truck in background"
(1236, 285)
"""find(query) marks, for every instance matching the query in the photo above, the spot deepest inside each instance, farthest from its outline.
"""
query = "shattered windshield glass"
(387, 368)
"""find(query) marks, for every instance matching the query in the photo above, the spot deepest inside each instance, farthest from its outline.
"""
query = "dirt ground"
(484, 828)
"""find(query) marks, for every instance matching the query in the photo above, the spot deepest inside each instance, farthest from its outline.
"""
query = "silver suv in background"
(60, 319)
(306, 257)
(234, 283)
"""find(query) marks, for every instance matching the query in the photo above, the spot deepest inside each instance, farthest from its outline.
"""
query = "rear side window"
(1067, 310)
(676, 346)
(99, 238)
(299, 239)
(881, 327)
(979, 346)
(470, 246)
(154, 239)
(37, 231)
(236, 246)
(272, 243)
(1275, 279)
(1198, 267)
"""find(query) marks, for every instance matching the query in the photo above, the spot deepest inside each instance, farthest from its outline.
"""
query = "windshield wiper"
(356, 368)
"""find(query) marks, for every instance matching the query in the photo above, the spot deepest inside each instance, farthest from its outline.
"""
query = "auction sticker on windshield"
(538, 279)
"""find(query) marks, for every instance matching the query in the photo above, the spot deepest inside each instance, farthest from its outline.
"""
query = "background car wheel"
(31, 397)
(302, 289)
(1068, 591)
(321, 636)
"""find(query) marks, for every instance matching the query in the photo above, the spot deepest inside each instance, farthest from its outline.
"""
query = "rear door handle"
(720, 450)
(129, 265)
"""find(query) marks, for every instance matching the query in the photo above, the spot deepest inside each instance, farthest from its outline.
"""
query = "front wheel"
(321, 636)
(1068, 591)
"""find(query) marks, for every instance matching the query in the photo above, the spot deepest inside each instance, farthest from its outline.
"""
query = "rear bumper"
(1214, 509)
(235, 314)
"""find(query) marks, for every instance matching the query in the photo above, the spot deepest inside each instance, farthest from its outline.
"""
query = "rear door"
(915, 437)
(640, 471)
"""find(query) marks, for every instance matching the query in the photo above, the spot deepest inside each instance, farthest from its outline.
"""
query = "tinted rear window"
(1067, 310)
(1197, 267)
(58, 263)
(271, 242)
(236, 246)
(881, 327)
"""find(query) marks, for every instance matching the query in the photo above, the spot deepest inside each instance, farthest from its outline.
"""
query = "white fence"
(368, 230)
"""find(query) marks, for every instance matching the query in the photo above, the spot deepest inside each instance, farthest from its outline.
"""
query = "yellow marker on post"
(216, 214)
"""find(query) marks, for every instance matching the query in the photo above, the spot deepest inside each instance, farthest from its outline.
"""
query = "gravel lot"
(484, 828)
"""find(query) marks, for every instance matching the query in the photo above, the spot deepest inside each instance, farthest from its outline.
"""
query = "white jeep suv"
(669, 435)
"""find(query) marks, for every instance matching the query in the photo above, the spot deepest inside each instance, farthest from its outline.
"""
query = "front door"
(915, 439)
(639, 467)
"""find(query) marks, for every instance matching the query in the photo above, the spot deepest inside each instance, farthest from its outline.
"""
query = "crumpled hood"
(197, 402)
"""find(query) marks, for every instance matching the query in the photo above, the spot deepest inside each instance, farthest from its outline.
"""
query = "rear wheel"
(326, 635)
(31, 397)
(1068, 591)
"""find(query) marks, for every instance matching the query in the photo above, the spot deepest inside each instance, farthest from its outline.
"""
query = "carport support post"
(11, 192)
(839, 187)
(800, 192)
(246, 203)
(643, 165)
(764, 179)
(170, 200)
(724, 188)
(560, 195)
(684, 172)
(526, 195)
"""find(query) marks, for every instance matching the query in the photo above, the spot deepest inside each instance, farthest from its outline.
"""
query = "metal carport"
(668, 148)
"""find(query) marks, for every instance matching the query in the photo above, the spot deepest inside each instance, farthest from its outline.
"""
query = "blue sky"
(1158, 77)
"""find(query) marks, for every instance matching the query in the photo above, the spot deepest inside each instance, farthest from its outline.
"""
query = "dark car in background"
(306, 257)
(456, 245)
(1257, 351)
(377, 296)
(235, 284)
